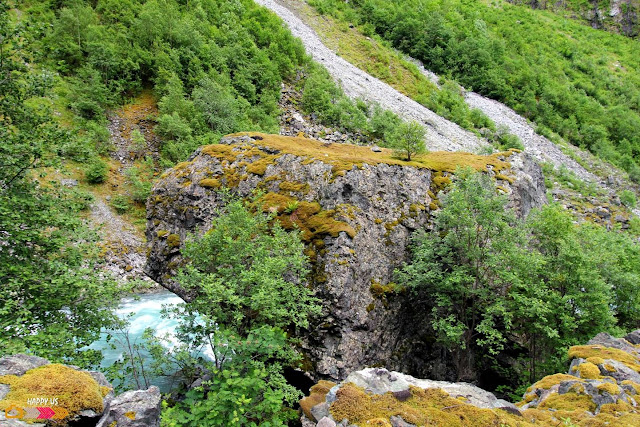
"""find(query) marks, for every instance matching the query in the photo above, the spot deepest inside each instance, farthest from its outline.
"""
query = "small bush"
(628, 198)
(120, 203)
(96, 172)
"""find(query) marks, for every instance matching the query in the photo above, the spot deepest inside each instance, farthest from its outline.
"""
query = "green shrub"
(96, 172)
(628, 198)
(120, 203)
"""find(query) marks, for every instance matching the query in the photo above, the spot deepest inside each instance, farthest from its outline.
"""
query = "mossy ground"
(344, 157)
(75, 390)
(423, 407)
(435, 407)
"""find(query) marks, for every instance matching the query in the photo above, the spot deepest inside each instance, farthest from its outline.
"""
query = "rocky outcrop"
(66, 395)
(601, 388)
(135, 408)
(375, 396)
(603, 383)
(356, 209)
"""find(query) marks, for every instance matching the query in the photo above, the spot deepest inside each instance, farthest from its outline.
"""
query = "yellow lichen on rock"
(75, 390)
(345, 157)
(587, 351)
(423, 407)
(317, 395)
(588, 370)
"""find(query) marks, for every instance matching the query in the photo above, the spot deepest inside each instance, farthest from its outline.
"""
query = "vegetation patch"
(75, 390)
(587, 351)
(317, 395)
(422, 407)
(345, 157)
(210, 183)
(308, 217)
(551, 380)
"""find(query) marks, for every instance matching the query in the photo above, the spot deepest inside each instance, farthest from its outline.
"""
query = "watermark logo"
(36, 413)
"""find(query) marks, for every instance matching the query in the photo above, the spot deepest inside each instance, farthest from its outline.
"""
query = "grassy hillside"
(581, 83)
(619, 16)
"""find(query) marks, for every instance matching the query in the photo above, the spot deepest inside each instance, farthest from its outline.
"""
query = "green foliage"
(496, 284)
(120, 203)
(51, 304)
(628, 198)
(464, 265)
(217, 67)
(140, 180)
(322, 96)
(247, 278)
(96, 171)
(232, 398)
(408, 139)
(583, 84)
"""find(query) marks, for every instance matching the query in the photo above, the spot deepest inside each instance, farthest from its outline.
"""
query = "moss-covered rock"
(359, 204)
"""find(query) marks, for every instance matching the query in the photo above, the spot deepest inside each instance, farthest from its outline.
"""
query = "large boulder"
(356, 209)
(376, 396)
(601, 388)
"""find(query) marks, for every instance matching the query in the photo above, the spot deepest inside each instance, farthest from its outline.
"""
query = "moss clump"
(210, 183)
(379, 290)
(589, 371)
(568, 402)
(551, 380)
(294, 187)
(440, 182)
(344, 157)
(259, 167)
(308, 217)
(596, 360)
(173, 241)
(587, 351)
(422, 407)
(370, 307)
(317, 395)
(75, 390)
(610, 388)
(505, 178)
(162, 233)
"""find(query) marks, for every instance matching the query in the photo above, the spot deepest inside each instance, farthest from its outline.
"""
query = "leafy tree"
(51, 304)
(466, 267)
(408, 139)
(496, 284)
(246, 276)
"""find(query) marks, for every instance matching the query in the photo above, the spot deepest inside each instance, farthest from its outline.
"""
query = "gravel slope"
(536, 145)
(441, 133)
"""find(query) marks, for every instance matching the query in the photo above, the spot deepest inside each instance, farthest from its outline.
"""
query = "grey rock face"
(381, 381)
(633, 337)
(326, 422)
(363, 323)
(137, 408)
(20, 363)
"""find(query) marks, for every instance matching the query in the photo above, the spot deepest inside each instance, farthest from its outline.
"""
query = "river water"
(145, 312)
